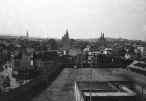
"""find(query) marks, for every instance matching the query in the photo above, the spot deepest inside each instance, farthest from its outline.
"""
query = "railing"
(77, 93)
(141, 92)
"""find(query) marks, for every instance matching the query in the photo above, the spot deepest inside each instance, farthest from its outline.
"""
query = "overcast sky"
(83, 18)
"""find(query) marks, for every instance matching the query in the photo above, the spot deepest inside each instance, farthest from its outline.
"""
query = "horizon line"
(12, 35)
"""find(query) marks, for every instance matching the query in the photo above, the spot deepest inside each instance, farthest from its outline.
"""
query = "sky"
(83, 18)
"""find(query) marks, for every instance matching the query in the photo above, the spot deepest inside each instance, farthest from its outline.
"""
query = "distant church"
(27, 34)
(102, 41)
(66, 42)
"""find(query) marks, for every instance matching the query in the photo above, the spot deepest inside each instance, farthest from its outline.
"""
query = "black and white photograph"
(72, 50)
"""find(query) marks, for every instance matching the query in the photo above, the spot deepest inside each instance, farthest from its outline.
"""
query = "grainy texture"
(62, 87)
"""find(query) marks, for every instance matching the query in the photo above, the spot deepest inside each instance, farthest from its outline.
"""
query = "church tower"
(27, 34)
(66, 43)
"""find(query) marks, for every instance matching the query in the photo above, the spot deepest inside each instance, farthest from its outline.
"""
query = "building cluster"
(112, 51)
(23, 54)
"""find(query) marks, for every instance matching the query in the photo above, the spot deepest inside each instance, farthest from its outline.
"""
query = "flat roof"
(101, 86)
(104, 89)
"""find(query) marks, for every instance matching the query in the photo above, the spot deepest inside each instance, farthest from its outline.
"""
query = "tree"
(52, 44)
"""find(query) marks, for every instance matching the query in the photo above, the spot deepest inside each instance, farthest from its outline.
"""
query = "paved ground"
(62, 88)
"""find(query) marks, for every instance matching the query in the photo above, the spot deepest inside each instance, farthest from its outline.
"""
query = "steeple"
(27, 34)
(66, 41)
(103, 36)
(67, 33)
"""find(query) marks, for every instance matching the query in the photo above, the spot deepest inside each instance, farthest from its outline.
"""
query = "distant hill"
(109, 39)
(19, 37)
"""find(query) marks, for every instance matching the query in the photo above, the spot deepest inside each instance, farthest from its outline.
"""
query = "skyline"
(83, 18)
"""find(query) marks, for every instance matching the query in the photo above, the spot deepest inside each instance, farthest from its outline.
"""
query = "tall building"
(27, 34)
(102, 37)
(101, 41)
(66, 42)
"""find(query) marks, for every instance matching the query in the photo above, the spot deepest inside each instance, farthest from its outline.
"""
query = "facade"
(140, 48)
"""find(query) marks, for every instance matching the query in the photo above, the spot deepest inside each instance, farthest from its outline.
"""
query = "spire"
(67, 33)
(103, 36)
(27, 34)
